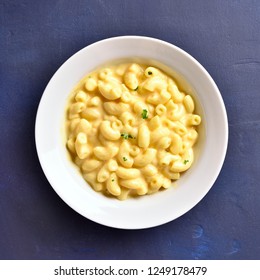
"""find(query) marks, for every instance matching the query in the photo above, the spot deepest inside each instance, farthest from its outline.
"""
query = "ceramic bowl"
(149, 210)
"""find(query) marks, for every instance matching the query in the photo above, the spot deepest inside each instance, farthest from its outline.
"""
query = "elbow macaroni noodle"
(131, 130)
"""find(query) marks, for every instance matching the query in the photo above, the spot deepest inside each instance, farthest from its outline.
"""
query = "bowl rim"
(182, 52)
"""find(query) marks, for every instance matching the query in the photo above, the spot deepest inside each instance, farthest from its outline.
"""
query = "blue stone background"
(36, 37)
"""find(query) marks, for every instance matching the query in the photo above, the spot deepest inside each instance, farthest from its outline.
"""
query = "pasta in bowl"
(130, 129)
(84, 122)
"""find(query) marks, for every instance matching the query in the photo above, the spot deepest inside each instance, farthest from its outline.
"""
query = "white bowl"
(150, 210)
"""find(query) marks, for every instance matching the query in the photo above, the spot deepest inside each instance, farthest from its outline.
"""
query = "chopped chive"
(113, 180)
(124, 158)
(150, 72)
(145, 114)
(185, 161)
(127, 136)
(136, 88)
(124, 135)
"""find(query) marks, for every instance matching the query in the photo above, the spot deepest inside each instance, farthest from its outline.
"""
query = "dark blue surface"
(36, 37)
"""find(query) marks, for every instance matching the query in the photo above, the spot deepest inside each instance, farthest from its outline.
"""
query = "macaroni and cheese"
(130, 129)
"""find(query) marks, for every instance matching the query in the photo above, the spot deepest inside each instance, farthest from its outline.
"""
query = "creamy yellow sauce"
(131, 129)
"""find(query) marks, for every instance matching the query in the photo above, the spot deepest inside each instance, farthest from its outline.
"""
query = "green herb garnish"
(150, 72)
(124, 159)
(113, 180)
(186, 161)
(127, 136)
(145, 114)
(136, 88)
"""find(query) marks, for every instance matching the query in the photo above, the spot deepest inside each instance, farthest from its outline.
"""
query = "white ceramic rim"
(100, 215)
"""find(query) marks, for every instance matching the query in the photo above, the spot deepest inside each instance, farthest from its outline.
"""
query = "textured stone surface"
(36, 37)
